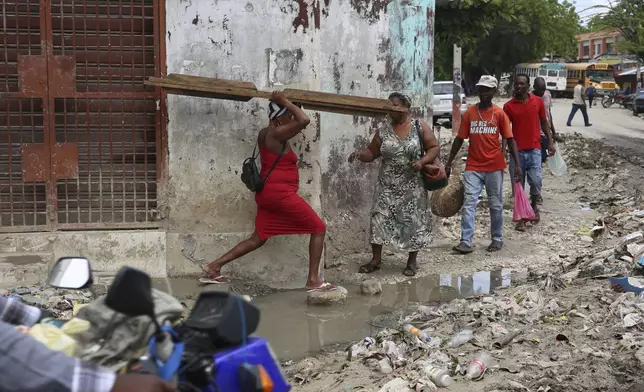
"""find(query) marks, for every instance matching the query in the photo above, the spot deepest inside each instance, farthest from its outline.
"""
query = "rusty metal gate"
(80, 135)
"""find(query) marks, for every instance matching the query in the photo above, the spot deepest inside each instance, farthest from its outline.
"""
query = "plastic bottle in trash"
(477, 367)
(417, 332)
(438, 375)
(461, 338)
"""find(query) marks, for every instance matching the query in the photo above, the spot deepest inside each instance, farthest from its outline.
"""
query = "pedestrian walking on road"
(483, 124)
(591, 91)
(528, 117)
(579, 103)
(280, 210)
(399, 213)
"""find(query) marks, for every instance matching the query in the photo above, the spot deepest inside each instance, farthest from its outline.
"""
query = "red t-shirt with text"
(526, 121)
(484, 154)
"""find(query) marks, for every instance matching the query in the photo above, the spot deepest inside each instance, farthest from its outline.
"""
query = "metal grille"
(22, 118)
(114, 128)
(116, 180)
(79, 145)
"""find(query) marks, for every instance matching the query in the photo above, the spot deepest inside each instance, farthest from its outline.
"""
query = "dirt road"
(618, 127)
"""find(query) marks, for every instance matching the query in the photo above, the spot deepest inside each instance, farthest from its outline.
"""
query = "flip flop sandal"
(216, 280)
(326, 286)
(369, 268)
(410, 271)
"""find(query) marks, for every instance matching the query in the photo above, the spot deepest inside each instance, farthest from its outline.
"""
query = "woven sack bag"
(447, 201)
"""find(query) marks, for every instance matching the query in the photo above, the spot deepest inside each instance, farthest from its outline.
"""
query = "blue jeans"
(474, 182)
(530, 165)
(584, 113)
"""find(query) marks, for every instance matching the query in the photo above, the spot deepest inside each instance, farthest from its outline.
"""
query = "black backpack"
(250, 173)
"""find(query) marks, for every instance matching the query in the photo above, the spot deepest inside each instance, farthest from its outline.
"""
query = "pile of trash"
(617, 251)
(61, 303)
(546, 335)
(584, 153)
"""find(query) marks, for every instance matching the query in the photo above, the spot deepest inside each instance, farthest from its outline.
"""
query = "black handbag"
(434, 175)
(250, 173)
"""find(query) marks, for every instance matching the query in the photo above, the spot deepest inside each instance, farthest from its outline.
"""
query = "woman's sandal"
(410, 270)
(220, 279)
(206, 279)
(369, 268)
(326, 286)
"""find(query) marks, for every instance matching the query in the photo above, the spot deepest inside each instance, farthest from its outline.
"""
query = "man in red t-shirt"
(527, 113)
(483, 124)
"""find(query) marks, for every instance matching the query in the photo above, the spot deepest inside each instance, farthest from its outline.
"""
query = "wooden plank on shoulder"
(198, 81)
(198, 86)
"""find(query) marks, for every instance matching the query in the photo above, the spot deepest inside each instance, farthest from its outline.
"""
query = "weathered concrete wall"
(26, 259)
(362, 47)
(393, 41)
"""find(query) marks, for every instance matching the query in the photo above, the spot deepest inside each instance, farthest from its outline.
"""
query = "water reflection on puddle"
(296, 329)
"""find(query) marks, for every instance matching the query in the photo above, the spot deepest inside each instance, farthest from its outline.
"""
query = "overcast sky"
(583, 5)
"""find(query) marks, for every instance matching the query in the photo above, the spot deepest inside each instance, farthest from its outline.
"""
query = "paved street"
(617, 125)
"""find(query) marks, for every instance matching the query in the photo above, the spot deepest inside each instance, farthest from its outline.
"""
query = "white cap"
(488, 81)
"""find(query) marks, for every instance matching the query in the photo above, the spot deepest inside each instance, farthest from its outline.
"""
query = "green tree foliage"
(495, 35)
(627, 16)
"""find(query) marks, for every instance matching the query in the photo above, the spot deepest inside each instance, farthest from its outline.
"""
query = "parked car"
(443, 95)
(638, 103)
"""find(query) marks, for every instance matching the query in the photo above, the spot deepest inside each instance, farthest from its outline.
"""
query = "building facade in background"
(594, 44)
(602, 47)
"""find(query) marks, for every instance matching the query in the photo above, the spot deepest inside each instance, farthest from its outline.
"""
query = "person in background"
(26, 365)
(483, 124)
(399, 213)
(280, 210)
(527, 113)
(541, 91)
(579, 103)
(591, 91)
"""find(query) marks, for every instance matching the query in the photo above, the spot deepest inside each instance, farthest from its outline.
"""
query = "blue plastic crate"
(256, 352)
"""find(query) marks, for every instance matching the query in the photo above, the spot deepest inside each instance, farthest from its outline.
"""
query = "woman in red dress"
(280, 210)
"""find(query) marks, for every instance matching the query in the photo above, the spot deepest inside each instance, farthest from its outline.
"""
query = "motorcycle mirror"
(71, 273)
(226, 318)
(131, 293)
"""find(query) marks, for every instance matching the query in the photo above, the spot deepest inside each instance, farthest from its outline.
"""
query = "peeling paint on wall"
(406, 60)
(318, 9)
(337, 71)
(343, 183)
(284, 66)
(370, 9)
(392, 78)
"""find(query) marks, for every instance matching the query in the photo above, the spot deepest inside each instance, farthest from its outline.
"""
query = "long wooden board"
(198, 86)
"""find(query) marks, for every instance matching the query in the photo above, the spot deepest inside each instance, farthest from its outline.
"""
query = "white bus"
(555, 75)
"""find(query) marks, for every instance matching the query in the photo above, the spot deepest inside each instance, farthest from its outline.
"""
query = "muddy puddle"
(296, 329)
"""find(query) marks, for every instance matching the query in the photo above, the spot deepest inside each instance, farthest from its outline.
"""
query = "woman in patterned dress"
(399, 214)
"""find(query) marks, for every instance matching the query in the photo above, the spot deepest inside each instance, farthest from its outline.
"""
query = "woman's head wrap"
(276, 110)
(404, 99)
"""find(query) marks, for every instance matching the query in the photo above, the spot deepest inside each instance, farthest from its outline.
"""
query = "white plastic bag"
(557, 165)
